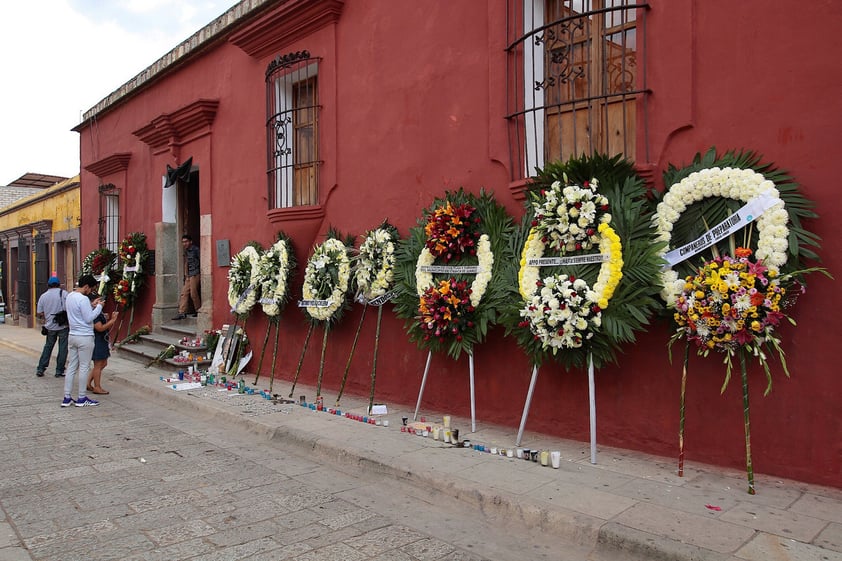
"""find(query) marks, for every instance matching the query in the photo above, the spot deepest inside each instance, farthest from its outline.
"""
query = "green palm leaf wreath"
(494, 221)
(635, 298)
(697, 219)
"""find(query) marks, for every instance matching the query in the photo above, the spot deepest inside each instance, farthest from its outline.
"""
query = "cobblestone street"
(132, 480)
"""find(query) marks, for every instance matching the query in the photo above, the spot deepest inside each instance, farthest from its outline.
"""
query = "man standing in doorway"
(190, 300)
(49, 304)
(81, 313)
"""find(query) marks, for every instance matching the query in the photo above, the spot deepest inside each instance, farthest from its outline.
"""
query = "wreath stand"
(470, 374)
(528, 403)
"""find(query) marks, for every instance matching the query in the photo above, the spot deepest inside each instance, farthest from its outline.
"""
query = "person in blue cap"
(51, 303)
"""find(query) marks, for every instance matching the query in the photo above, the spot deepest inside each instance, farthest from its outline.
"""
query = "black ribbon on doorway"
(182, 173)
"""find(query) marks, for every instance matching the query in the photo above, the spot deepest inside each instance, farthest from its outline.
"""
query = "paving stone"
(7, 536)
(688, 528)
(168, 535)
(775, 521)
(830, 538)
(244, 550)
(385, 539)
(303, 533)
(767, 547)
(14, 554)
(346, 519)
(587, 501)
(195, 548)
(335, 552)
(231, 536)
(157, 518)
(286, 552)
(686, 498)
(428, 549)
(153, 503)
(826, 508)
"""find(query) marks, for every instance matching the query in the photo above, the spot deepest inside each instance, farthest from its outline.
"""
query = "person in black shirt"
(190, 300)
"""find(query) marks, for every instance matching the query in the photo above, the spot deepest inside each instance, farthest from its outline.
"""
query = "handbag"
(60, 317)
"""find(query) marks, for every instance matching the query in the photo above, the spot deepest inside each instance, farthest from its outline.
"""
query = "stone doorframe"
(168, 273)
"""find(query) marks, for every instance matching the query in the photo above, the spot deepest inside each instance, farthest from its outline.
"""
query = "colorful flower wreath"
(374, 272)
(576, 304)
(327, 280)
(244, 280)
(275, 269)
(131, 254)
(730, 303)
(724, 311)
(454, 313)
(102, 264)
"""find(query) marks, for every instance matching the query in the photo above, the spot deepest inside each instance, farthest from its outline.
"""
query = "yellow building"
(39, 235)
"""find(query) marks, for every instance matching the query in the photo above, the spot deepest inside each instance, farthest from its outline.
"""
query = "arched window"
(292, 130)
(575, 79)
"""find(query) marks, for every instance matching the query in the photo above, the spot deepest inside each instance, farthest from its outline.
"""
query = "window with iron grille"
(109, 217)
(575, 79)
(292, 130)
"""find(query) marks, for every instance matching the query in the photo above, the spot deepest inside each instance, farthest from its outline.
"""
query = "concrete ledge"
(308, 434)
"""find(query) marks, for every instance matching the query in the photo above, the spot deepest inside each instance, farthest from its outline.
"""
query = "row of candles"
(443, 432)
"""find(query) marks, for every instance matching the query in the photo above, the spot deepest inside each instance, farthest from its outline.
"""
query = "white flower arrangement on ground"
(732, 183)
(274, 269)
(327, 277)
(244, 280)
(375, 268)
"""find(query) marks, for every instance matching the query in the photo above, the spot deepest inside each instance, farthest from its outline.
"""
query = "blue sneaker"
(86, 401)
(67, 402)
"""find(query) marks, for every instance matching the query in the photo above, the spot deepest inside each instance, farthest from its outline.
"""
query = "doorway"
(187, 220)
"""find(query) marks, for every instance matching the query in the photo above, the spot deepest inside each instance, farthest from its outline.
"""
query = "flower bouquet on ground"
(374, 278)
(276, 268)
(131, 257)
(167, 353)
(327, 283)
(135, 336)
(449, 287)
(211, 339)
(735, 249)
(585, 281)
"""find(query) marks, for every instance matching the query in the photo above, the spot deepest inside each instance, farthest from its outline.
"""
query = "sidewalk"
(628, 506)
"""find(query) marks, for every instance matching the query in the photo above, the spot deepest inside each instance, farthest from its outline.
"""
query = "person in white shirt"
(81, 313)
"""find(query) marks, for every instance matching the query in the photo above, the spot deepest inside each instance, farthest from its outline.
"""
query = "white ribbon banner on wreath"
(451, 269)
(242, 298)
(379, 301)
(737, 221)
(314, 303)
(266, 301)
(575, 260)
(130, 269)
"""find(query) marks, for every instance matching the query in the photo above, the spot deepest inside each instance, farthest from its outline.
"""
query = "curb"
(605, 537)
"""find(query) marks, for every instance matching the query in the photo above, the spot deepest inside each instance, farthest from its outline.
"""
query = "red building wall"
(414, 104)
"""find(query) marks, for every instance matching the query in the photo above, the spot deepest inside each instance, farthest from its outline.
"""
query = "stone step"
(183, 328)
(143, 351)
